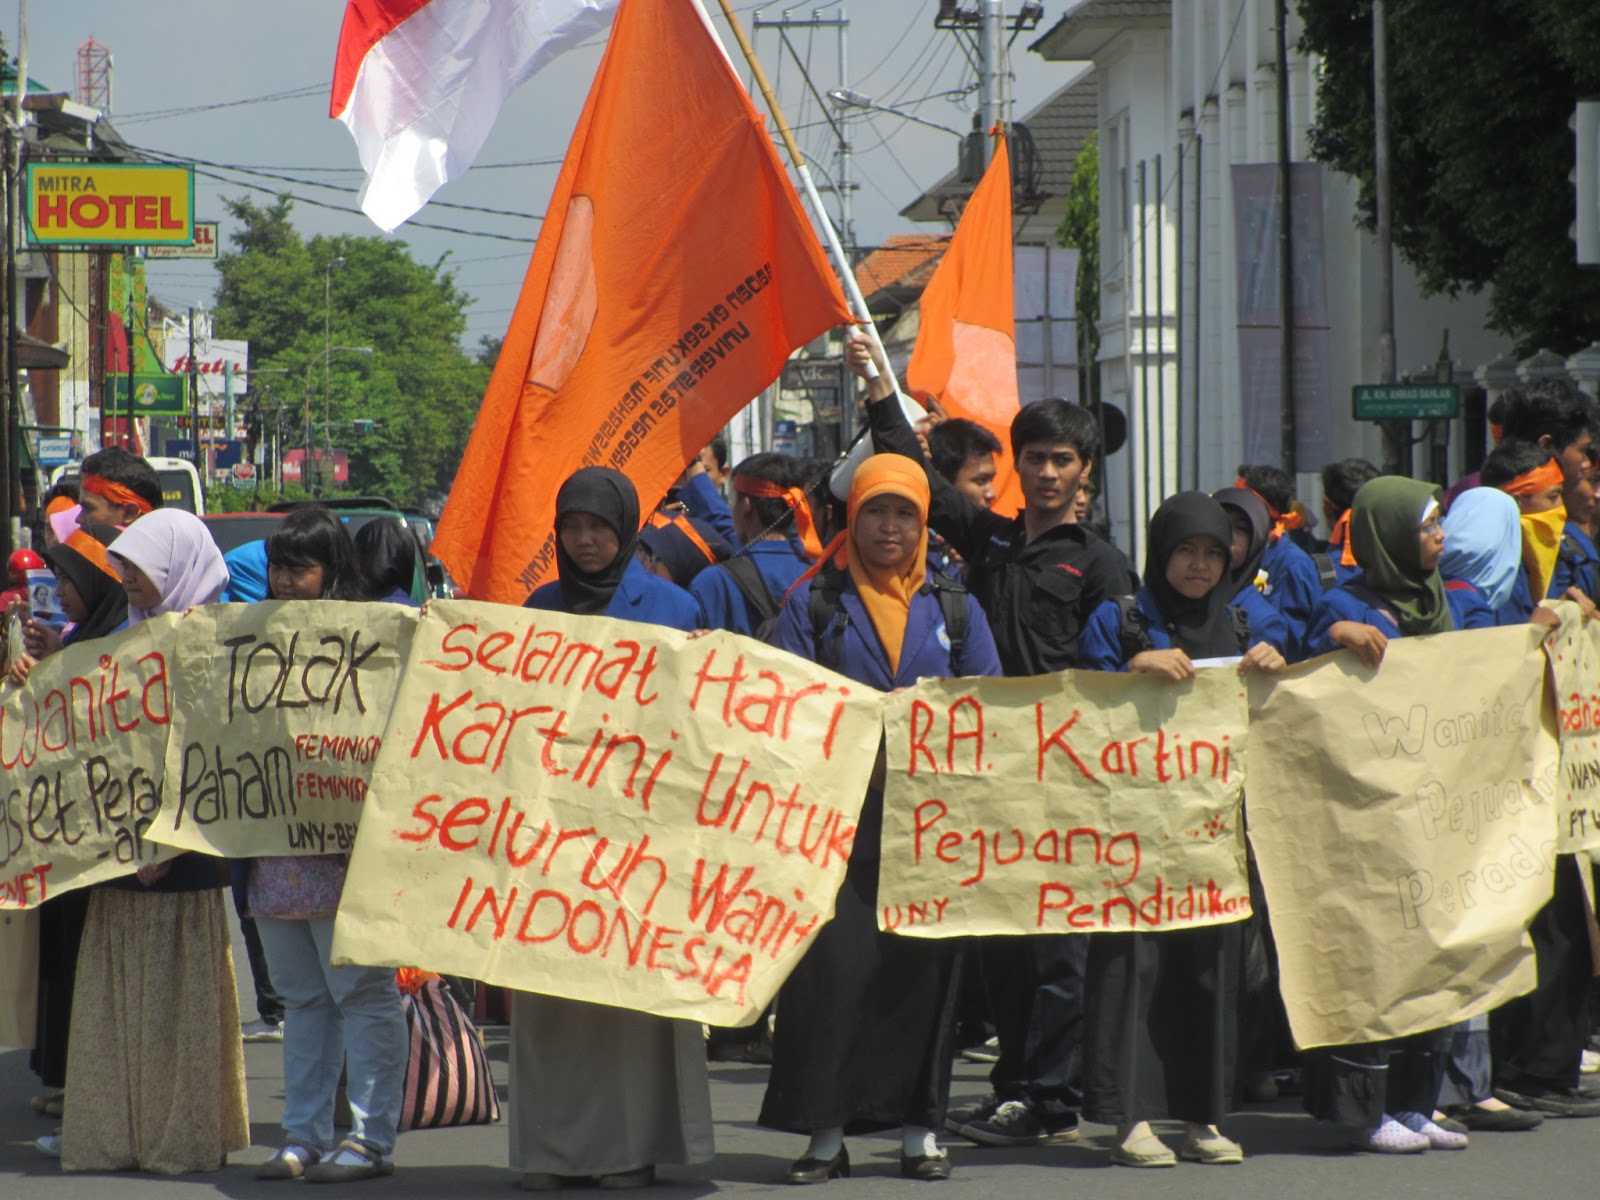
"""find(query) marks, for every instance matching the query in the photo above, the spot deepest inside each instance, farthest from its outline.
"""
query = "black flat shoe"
(928, 1167)
(819, 1170)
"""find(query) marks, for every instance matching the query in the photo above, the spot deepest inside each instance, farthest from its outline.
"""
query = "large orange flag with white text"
(674, 274)
(966, 351)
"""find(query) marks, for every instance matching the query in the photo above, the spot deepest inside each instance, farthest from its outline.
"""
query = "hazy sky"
(190, 54)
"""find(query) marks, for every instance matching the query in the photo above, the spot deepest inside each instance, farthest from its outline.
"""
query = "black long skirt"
(865, 1025)
(61, 921)
(1161, 1027)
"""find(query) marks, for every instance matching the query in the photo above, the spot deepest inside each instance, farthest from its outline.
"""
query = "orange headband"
(684, 526)
(1537, 480)
(804, 523)
(115, 493)
(1280, 521)
(59, 505)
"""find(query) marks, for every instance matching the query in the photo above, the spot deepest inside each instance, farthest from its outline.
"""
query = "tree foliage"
(418, 386)
(1480, 93)
(1080, 230)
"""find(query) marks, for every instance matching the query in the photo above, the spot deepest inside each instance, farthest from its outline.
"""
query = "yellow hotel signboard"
(121, 204)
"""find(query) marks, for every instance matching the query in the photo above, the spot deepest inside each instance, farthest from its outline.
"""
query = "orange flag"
(966, 352)
(674, 274)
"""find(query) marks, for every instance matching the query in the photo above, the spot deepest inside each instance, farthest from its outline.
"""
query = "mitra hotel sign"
(122, 204)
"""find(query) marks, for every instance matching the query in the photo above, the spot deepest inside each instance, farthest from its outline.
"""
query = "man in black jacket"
(1038, 576)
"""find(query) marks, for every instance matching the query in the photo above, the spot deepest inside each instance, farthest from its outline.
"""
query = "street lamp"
(324, 355)
(847, 98)
(327, 320)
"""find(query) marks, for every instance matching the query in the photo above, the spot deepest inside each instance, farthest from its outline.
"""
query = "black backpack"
(829, 617)
(757, 596)
(1133, 628)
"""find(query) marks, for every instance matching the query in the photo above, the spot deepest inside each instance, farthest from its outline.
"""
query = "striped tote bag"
(447, 1070)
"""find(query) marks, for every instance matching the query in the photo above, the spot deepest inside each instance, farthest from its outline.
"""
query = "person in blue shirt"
(1340, 482)
(1293, 584)
(1398, 538)
(1252, 526)
(1483, 550)
(1577, 563)
(1384, 1094)
(865, 1028)
(598, 574)
(1161, 1019)
(1532, 475)
(678, 547)
(701, 496)
(600, 1092)
(775, 530)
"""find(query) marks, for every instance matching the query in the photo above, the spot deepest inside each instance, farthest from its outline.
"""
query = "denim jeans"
(331, 1012)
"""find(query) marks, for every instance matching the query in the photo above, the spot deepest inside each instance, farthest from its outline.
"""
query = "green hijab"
(1384, 521)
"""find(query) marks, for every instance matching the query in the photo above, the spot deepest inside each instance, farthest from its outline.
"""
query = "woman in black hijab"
(92, 596)
(1251, 525)
(1161, 1011)
(597, 529)
(603, 1094)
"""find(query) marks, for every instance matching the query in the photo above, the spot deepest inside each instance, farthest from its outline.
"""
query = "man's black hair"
(951, 443)
(116, 465)
(66, 489)
(719, 451)
(311, 536)
(1512, 457)
(783, 470)
(387, 552)
(1056, 422)
(1272, 484)
(1343, 479)
(1553, 408)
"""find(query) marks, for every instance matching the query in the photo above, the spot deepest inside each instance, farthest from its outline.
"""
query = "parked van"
(180, 482)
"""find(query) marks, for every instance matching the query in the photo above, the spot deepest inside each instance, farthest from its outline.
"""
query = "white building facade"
(1189, 326)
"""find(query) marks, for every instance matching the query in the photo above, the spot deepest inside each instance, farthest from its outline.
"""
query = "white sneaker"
(49, 1144)
(262, 1031)
(1589, 1063)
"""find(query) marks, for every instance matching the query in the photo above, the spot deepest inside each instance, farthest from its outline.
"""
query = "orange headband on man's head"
(115, 493)
(1540, 479)
(799, 503)
(1280, 521)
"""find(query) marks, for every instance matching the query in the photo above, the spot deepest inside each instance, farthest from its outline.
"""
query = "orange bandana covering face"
(885, 592)
(799, 503)
(1280, 521)
(115, 493)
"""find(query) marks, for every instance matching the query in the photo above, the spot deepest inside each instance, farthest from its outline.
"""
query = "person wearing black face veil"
(1161, 1034)
(603, 1093)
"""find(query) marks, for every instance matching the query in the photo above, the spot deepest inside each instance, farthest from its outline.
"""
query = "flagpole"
(846, 270)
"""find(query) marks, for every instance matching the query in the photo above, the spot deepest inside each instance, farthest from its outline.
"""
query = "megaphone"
(861, 449)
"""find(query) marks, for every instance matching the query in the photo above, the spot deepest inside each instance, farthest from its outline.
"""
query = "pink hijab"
(175, 551)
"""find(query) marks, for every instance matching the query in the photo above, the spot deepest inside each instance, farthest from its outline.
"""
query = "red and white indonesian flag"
(420, 83)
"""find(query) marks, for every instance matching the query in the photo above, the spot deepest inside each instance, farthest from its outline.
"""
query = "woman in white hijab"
(168, 563)
(155, 1067)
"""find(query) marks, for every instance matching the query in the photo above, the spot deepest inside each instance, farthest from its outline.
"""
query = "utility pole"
(1396, 434)
(991, 52)
(194, 409)
(844, 186)
(1286, 413)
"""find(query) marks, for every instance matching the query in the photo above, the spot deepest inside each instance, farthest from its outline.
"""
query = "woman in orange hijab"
(866, 1022)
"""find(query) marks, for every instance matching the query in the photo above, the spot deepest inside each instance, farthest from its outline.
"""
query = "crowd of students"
(898, 571)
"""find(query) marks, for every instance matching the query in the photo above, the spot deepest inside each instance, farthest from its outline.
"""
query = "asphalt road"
(1288, 1155)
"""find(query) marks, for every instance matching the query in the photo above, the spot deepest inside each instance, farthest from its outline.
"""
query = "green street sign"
(152, 395)
(1405, 401)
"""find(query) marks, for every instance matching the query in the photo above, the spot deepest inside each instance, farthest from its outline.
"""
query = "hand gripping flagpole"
(847, 272)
